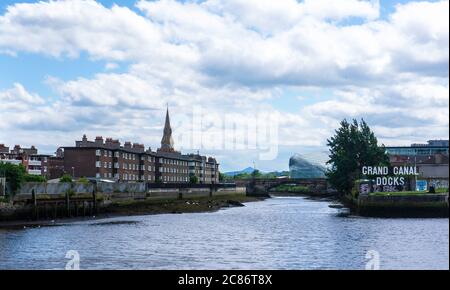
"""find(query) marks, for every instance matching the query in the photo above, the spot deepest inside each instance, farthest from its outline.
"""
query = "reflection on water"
(279, 233)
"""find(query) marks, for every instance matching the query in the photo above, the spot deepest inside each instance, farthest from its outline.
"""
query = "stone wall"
(122, 191)
(432, 205)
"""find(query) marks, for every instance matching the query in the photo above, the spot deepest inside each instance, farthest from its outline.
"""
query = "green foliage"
(15, 175)
(441, 190)
(292, 188)
(352, 147)
(193, 179)
(258, 175)
(222, 177)
(83, 180)
(34, 178)
(399, 193)
(66, 178)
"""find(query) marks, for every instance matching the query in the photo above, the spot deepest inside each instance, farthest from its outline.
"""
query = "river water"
(279, 233)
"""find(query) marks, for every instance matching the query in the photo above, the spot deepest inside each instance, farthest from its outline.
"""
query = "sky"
(251, 82)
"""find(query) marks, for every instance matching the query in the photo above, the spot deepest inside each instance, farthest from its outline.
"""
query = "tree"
(352, 147)
(257, 174)
(83, 180)
(34, 178)
(222, 177)
(14, 174)
(66, 178)
(193, 179)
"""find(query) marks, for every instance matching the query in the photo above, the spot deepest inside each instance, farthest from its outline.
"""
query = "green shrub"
(193, 179)
(292, 188)
(34, 178)
(66, 178)
(441, 190)
(83, 180)
(15, 175)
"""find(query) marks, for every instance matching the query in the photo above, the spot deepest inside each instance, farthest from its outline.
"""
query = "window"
(98, 152)
(110, 165)
(117, 154)
(98, 164)
(98, 175)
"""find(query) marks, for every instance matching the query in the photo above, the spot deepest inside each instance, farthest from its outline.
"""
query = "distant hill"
(249, 170)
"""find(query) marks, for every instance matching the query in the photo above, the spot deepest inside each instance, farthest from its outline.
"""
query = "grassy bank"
(405, 193)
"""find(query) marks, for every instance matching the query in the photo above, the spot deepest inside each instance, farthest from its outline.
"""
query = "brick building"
(108, 159)
(34, 163)
(431, 160)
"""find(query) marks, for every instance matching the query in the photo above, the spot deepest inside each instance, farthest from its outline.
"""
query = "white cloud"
(18, 98)
(235, 56)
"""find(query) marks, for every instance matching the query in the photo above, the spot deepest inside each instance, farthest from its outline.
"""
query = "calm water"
(280, 233)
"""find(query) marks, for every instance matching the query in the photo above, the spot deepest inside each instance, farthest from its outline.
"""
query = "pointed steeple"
(167, 140)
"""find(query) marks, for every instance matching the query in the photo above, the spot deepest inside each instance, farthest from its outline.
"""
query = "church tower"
(167, 140)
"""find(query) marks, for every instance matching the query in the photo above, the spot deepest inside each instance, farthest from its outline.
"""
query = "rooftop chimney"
(99, 140)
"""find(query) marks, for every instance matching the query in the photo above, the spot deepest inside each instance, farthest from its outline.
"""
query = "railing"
(34, 172)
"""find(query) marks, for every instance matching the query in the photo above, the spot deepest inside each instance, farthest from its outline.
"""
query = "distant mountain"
(248, 170)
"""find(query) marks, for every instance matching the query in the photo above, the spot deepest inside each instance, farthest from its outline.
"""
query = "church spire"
(167, 140)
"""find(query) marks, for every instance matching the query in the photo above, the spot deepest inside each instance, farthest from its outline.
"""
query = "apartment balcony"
(34, 172)
(34, 162)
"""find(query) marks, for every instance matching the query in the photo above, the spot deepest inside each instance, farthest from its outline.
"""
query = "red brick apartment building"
(108, 159)
(34, 163)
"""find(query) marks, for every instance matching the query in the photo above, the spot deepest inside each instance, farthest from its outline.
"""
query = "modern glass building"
(300, 167)
(433, 147)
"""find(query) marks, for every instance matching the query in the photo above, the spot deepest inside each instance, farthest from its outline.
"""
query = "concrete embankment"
(75, 200)
(423, 205)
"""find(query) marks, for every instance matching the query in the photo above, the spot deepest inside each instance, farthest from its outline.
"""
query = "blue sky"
(307, 64)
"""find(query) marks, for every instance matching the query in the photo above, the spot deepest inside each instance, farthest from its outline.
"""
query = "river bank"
(142, 207)
(399, 205)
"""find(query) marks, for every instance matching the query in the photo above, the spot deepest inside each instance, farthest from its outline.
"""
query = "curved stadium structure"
(303, 167)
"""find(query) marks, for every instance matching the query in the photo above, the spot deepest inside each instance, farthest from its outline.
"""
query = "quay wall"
(76, 199)
(433, 205)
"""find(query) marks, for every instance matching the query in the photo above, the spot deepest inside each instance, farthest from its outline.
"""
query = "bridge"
(264, 186)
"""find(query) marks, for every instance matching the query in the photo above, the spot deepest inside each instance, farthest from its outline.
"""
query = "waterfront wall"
(40, 200)
(123, 187)
(403, 205)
